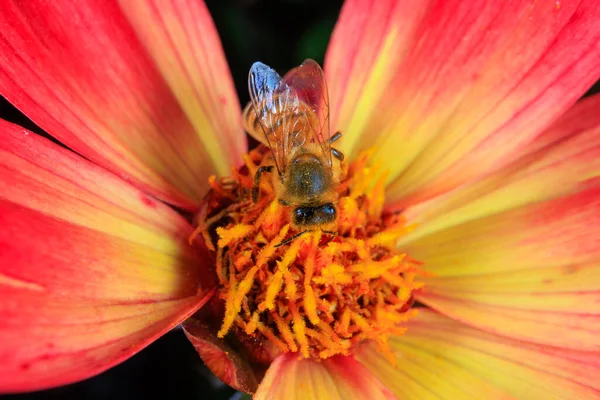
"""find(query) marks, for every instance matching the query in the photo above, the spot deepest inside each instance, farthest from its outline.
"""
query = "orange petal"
(91, 269)
(563, 160)
(439, 358)
(448, 90)
(292, 378)
(79, 71)
(532, 273)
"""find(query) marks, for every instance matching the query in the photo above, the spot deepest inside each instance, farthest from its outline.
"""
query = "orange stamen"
(320, 296)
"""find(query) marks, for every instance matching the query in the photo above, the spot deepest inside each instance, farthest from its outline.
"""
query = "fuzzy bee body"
(291, 116)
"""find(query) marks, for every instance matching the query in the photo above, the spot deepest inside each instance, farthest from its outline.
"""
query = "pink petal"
(439, 358)
(79, 71)
(291, 377)
(91, 269)
(447, 90)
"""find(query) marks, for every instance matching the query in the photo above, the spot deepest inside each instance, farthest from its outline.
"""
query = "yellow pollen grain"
(283, 266)
(310, 305)
(395, 280)
(377, 197)
(236, 232)
(267, 252)
(273, 290)
(299, 327)
(234, 301)
(389, 237)
(334, 274)
(243, 260)
(323, 339)
(374, 269)
(285, 332)
(329, 332)
(361, 322)
(272, 337)
(270, 216)
(253, 324)
(343, 323)
(229, 306)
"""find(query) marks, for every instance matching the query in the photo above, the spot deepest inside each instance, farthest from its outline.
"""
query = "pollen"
(320, 293)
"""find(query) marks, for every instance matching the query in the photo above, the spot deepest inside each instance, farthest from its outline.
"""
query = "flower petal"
(220, 357)
(91, 269)
(439, 358)
(563, 160)
(182, 40)
(79, 71)
(293, 378)
(447, 90)
(532, 273)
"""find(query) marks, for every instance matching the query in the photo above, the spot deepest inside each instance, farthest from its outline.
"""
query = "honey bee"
(290, 115)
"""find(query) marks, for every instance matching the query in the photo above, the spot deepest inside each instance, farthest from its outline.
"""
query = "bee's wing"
(308, 81)
(276, 106)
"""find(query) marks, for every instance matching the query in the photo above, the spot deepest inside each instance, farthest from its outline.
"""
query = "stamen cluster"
(319, 295)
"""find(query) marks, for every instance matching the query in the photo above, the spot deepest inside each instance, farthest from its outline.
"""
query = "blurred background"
(280, 33)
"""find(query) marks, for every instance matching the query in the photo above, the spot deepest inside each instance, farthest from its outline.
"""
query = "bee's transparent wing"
(277, 108)
(308, 82)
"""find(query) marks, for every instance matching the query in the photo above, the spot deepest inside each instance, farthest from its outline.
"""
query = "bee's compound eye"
(314, 215)
(328, 209)
(303, 215)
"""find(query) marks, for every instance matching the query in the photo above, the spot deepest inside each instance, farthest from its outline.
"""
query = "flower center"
(320, 293)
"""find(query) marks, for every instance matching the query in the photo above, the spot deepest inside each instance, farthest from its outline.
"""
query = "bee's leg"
(262, 169)
(337, 154)
(335, 137)
(289, 240)
(331, 233)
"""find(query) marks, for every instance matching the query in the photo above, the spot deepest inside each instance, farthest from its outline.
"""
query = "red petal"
(448, 90)
(223, 360)
(439, 358)
(91, 269)
(79, 71)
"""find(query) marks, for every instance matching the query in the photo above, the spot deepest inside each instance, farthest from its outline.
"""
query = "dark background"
(280, 33)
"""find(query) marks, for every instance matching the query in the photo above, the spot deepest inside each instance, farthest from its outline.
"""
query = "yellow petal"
(562, 161)
(439, 358)
(532, 273)
(291, 377)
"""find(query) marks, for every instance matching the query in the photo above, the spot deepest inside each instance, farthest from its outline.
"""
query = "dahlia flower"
(467, 261)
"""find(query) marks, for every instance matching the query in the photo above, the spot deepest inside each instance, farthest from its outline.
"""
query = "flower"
(471, 106)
